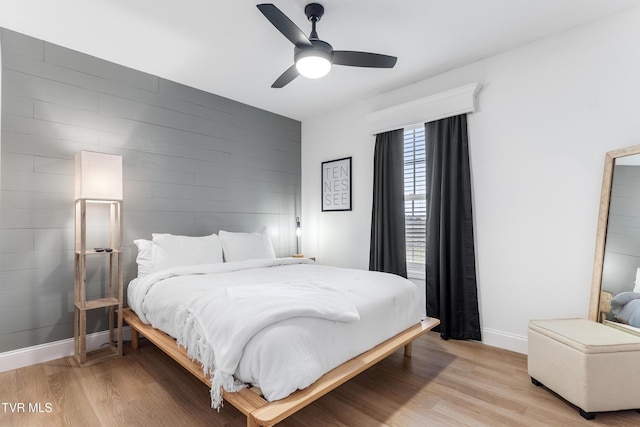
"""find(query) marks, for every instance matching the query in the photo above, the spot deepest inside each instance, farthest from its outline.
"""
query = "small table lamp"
(298, 234)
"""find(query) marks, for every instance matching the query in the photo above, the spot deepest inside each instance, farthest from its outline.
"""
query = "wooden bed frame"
(258, 411)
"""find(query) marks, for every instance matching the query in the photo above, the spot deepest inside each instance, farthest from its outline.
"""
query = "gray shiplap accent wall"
(194, 163)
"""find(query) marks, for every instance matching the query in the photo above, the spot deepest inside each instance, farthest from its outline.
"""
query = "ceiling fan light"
(314, 65)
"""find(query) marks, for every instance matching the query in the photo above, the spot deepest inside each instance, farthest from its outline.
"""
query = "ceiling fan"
(313, 57)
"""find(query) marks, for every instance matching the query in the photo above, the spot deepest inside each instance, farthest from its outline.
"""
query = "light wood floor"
(446, 383)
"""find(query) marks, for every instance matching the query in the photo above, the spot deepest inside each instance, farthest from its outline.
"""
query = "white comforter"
(293, 348)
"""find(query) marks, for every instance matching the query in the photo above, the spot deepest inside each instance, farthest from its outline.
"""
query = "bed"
(268, 335)
(625, 308)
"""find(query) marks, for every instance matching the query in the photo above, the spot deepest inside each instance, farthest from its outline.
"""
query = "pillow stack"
(169, 250)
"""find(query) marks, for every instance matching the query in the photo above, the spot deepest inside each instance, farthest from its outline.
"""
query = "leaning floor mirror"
(615, 291)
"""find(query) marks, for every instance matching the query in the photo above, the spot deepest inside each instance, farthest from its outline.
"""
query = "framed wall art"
(336, 185)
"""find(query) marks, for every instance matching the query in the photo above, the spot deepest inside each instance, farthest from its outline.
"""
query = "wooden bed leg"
(135, 339)
(251, 422)
(407, 349)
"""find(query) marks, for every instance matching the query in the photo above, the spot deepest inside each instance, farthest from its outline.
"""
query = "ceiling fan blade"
(286, 77)
(363, 59)
(284, 25)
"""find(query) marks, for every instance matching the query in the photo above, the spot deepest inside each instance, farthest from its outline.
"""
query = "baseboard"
(28, 356)
(505, 340)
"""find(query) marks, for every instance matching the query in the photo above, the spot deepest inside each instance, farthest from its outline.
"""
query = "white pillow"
(145, 256)
(176, 251)
(243, 246)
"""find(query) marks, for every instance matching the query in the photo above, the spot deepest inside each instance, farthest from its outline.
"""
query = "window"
(415, 200)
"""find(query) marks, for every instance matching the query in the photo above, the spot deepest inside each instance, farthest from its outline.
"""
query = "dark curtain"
(388, 251)
(450, 271)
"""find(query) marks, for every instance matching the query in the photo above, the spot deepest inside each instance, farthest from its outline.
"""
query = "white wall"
(548, 114)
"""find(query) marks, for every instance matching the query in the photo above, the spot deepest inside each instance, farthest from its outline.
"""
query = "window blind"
(415, 199)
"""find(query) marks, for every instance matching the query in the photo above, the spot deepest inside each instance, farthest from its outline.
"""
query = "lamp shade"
(98, 176)
(313, 63)
(313, 67)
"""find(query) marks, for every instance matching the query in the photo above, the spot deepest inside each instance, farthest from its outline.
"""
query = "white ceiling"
(230, 49)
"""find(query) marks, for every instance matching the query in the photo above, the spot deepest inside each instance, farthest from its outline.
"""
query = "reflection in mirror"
(621, 267)
(615, 297)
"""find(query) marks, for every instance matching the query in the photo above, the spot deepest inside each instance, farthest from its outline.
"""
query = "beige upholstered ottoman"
(594, 366)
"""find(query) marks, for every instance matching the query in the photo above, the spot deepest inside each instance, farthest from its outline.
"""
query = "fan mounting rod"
(314, 12)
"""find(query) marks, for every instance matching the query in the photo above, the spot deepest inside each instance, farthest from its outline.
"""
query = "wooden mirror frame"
(603, 220)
